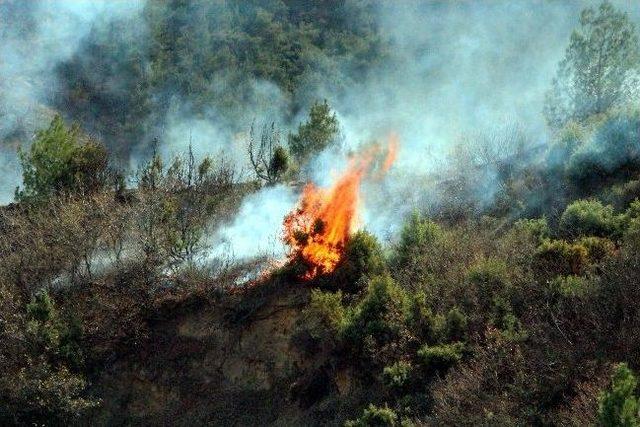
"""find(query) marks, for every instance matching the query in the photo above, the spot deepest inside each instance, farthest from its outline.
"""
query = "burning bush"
(319, 229)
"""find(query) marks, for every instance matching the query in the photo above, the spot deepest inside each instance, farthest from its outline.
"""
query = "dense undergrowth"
(514, 309)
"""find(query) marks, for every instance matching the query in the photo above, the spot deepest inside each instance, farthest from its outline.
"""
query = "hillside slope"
(205, 363)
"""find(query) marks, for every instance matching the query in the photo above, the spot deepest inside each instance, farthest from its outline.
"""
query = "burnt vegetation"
(519, 310)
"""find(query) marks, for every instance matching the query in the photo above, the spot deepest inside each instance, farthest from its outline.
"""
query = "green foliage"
(633, 211)
(376, 320)
(374, 416)
(422, 321)
(611, 153)
(269, 159)
(220, 58)
(489, 275)
(279, 163)
(440, 357)
(58, 162)
(397, 376)
(598, 248)
(569, 139)
(559, 257)
(569, 286)
(51, 333)
(44, 321)
(362, 259)
(589, 218)
(317, 133)
(44, 394)
(596, 72)
(325, 315)
(537, 228)
(417, 235)
(619, 406)
(456, 324)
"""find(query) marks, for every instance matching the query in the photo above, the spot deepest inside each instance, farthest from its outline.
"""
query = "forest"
(244, 213)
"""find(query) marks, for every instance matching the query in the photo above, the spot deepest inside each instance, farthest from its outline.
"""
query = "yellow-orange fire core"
(319, 228)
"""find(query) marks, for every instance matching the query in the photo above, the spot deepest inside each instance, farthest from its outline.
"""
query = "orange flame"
(319, 228)
(392, 152)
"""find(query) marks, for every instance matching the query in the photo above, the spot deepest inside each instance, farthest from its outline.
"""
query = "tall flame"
(319, 228)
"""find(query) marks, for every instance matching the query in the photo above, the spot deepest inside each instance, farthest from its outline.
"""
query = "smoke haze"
(453, 71)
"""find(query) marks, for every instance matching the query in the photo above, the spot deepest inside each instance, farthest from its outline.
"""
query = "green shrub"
(440, 357)
(589, 218)
(623, 195)
(570, 137)
(416, 235)
(374, 416)
(489, 276)
(456, 324)
(537, 228)
(598, 248)
(558, 257)
(363, 259)
(58, 161)
(377, 319)
(568, 286)
(279, 163)
(423, 322)
(325, 314)
(51, 333)
(43, 322)
(633, 210)
(611, 153)
(318, 132)
(619, 405)
(397, 376)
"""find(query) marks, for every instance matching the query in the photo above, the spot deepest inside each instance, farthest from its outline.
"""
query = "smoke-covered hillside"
(349, 212)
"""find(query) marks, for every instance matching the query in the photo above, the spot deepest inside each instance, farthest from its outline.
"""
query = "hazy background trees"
(600, 69)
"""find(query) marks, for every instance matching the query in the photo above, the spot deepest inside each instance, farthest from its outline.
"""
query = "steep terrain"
(209, 363)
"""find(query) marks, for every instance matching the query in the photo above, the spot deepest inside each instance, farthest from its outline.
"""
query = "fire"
(392, 152)
(319, 228)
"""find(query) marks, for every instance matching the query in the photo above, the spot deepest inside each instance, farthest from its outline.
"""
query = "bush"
(53, 335)
(619, 406)
(377, 320)
(316, 134)
(279, 163)
(423, 322)
(363, 258)
(325, 315)
(568, 286)
(416, 235)
(397, 377)
(58, 162)
(440, 357)
(456, 324)
(569, 139)
(611, 154)
(598, 248)
(490, 276)
(558, 257)
(623, 195)
(375, 417)
(538, 228)
(589, 218)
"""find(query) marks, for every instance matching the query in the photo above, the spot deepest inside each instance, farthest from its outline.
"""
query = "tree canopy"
(599, 68)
